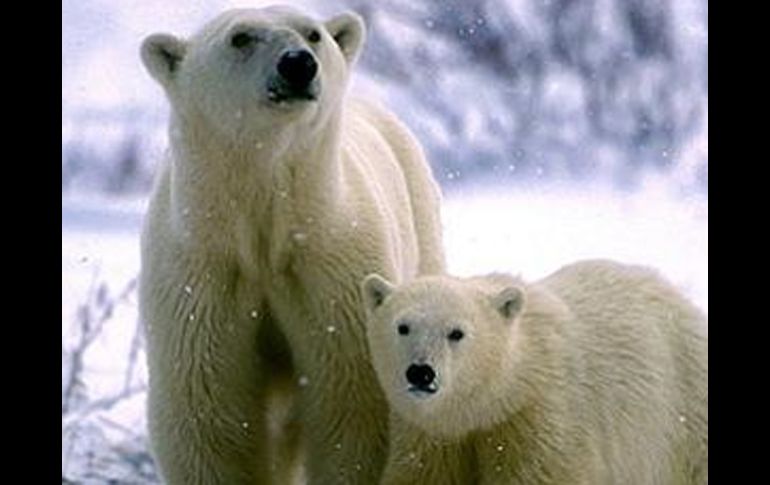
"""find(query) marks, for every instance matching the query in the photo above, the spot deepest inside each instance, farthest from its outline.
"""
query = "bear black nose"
(297, 68)
(420, 375)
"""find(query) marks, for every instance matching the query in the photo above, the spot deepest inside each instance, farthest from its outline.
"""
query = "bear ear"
(509, 302)
(161, 55)
(349, 31)
(376, 290)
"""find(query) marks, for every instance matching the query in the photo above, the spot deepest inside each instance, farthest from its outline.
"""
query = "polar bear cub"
(597, 374)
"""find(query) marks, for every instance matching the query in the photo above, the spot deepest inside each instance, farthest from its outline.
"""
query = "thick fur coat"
(596, 375)
(272, 205)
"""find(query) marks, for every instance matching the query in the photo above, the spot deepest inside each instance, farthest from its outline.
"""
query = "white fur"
(264, 218)
(596, 375)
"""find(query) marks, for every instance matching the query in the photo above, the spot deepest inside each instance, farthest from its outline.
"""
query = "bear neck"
(532, 378)
(542, 365)
(234, 192)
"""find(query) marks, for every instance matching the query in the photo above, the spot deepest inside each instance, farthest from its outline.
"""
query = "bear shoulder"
(610, 283)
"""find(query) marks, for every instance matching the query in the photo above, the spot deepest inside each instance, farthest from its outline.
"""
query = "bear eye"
(314, 36)
(456, 335)
(240, 40)
(403, 329)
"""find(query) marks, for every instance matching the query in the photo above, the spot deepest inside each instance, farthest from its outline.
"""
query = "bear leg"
(346, 439)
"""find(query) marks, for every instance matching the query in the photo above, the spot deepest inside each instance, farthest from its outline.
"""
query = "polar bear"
(277, 197)
(597, 374)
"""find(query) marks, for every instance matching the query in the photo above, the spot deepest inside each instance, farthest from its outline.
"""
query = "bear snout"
(421, 376)
(297, 68)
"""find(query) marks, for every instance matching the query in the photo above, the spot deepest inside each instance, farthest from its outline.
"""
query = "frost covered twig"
(91, 450)
(133, 354)
(90, 318)
(103, 404)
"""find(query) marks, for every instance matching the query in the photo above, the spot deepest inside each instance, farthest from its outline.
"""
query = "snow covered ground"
(520, 230)
(534, 232)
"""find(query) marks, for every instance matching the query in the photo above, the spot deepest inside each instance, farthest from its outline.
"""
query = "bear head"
(440, 346)
(251, 71)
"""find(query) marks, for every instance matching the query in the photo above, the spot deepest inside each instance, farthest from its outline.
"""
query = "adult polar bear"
(278, 196)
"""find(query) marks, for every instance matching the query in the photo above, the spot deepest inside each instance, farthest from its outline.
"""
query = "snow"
(533, 232)
(100, 250)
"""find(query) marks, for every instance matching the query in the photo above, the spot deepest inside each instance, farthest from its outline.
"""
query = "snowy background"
(559, 130)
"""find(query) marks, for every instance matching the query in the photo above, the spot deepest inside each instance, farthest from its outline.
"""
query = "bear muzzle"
(297, 68)
(422, 379)
(297, 77)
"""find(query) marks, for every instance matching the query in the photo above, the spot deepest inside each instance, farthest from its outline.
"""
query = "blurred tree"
(504, 88)
(555, 84)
